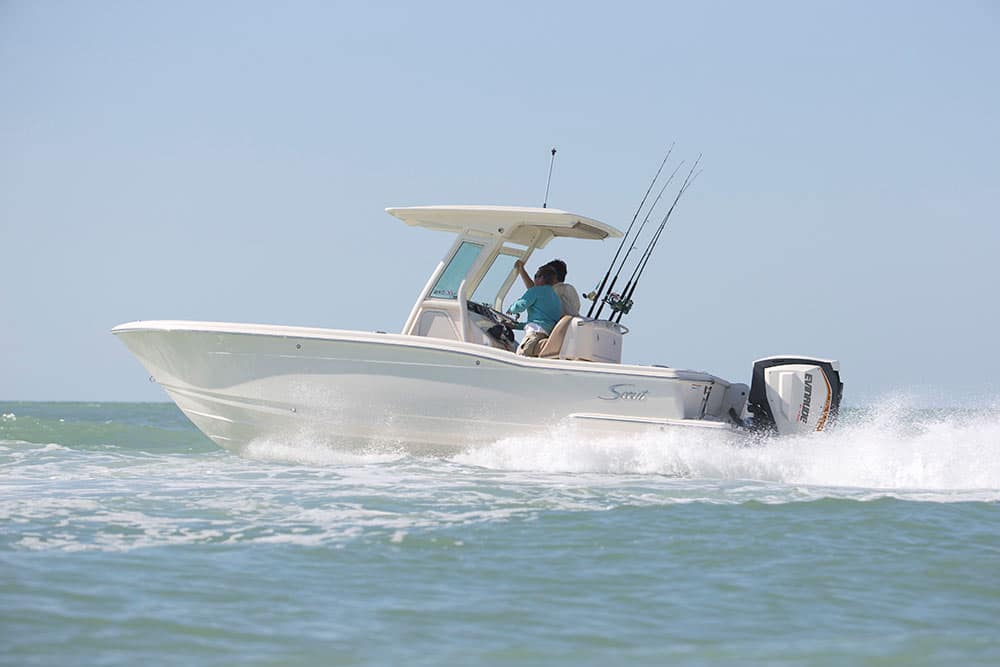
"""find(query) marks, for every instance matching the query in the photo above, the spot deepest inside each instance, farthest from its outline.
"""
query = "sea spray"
(887, 447)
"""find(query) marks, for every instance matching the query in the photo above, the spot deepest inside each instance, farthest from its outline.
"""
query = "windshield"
(489, 287)
(449, 282)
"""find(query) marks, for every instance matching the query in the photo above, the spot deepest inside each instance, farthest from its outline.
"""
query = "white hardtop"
(463, 299)
(518, 224)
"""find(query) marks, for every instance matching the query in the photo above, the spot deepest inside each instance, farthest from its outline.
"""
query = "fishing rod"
(549, 180)
(625, 302)
(596, 294)
(638, 233)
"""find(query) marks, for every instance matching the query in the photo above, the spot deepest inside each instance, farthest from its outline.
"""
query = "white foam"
(887, 448)
(302, 492)
(308, 452)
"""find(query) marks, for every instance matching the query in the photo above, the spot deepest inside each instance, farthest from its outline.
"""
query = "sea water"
(126, 537)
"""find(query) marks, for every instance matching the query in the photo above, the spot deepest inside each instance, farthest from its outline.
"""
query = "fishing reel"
(618, 303)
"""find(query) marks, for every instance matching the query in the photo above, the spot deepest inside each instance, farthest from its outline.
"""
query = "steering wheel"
(503, 318)
(492, 314)
(502, 331)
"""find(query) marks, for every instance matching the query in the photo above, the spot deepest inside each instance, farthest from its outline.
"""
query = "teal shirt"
(543, 306)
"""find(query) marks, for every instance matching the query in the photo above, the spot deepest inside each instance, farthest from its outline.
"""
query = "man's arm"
(528, 282)
(522, 304)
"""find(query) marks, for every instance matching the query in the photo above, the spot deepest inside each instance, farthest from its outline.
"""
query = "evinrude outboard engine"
(794, 394)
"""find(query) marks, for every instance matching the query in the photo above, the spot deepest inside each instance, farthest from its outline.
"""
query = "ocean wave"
(150, 427)
(66, 497)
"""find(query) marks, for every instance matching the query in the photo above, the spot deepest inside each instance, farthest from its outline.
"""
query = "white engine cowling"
(794, 394)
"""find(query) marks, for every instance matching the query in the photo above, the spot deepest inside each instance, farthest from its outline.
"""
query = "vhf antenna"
(549, 181)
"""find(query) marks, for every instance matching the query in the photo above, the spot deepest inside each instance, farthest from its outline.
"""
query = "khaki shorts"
(532, 344)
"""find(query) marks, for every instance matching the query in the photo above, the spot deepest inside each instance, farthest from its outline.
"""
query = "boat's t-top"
(463, 300)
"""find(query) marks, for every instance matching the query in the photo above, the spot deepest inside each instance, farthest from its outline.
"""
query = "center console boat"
(450, 378)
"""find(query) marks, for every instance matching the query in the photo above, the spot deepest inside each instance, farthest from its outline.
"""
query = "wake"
(889, 446)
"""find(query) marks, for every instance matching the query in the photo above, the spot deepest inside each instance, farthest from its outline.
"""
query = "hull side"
(355, 389)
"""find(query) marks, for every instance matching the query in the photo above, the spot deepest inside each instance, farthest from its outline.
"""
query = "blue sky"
(231, 162)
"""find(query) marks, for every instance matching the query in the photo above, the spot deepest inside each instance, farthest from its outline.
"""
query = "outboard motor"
(794, 394)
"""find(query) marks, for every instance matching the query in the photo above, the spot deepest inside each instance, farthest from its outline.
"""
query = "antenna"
(547, 182)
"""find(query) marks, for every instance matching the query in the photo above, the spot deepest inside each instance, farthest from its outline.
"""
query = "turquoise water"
(127, 536)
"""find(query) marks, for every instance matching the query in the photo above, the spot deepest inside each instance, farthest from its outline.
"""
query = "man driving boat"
(544, 310)
(566, 292)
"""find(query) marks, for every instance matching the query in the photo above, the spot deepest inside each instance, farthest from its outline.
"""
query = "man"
(544, 310)
(567, 293)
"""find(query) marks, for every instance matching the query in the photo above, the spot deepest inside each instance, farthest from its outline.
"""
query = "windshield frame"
(457, 270)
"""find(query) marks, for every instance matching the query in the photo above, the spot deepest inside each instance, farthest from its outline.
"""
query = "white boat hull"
(240, 383)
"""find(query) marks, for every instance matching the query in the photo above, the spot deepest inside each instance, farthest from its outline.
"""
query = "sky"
(231, 161)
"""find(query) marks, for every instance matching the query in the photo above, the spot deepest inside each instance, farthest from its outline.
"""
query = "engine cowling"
(794, 394)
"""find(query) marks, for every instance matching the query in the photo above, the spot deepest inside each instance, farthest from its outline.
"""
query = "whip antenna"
(549, 180)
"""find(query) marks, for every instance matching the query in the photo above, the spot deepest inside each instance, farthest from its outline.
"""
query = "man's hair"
(547, 274)
(560, 268)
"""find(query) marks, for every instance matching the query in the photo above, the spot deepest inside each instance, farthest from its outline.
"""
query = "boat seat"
(584, 339)
(553, 344)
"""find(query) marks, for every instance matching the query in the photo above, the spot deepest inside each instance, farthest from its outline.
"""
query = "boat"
(451, 378)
